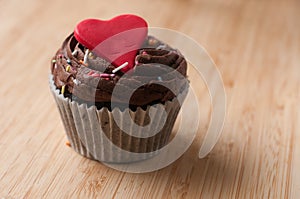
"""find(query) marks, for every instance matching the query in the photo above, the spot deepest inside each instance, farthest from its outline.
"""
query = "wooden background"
(256, 45)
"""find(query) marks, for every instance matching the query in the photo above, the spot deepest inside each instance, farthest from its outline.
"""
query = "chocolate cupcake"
(113, 115)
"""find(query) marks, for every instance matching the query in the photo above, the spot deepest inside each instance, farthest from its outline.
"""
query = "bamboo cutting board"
(256, 46)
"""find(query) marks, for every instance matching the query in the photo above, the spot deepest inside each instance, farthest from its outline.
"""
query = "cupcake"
(117, 108)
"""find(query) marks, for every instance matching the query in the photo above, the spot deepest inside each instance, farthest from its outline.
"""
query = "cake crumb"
(68, 144)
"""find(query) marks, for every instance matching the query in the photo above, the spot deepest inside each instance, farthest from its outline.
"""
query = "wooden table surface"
(256, 46)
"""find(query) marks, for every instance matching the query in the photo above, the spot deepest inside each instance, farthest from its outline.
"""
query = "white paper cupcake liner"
(94, 133)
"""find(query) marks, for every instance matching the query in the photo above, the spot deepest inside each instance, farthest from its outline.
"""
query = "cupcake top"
(87, 77)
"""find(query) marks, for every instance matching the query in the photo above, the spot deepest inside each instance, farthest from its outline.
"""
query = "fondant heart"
(117, 40)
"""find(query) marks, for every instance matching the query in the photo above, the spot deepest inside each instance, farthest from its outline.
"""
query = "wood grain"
(256, 46)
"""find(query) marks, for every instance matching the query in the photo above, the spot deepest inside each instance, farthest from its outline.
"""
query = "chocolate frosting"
(82, 81)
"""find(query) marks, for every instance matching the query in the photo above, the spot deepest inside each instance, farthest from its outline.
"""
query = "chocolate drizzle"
(84, 87)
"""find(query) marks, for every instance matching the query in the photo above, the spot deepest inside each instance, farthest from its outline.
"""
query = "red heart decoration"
(117, 39)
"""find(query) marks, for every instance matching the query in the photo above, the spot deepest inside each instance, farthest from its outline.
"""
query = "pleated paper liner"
(94, 133)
